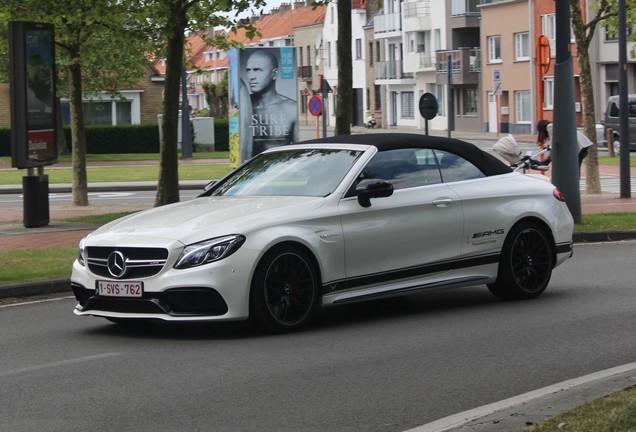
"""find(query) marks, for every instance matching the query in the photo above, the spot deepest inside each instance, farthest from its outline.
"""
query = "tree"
(169, 20)
(217, 97)
(605, 13)
(97, 50)
(345, 69)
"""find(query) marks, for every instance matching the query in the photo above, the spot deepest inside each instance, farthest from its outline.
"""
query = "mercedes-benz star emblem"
(116, 264)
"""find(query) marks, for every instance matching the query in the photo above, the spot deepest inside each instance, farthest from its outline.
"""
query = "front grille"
(186, 301)
(139, 262)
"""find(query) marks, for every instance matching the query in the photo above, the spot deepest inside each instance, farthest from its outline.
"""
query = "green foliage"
(124, 139)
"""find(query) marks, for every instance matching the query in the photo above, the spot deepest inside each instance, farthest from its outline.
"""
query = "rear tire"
(285, 290)
(526, 262)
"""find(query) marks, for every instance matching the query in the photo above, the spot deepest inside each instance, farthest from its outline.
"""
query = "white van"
(612, 121)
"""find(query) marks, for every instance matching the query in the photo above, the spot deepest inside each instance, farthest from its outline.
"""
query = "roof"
(486, 162)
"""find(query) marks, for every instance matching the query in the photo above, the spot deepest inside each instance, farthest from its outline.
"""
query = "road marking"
(460, 419)
(57, 364)
(23, 303)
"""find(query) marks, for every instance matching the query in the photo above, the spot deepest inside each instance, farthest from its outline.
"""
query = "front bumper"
(217, 291)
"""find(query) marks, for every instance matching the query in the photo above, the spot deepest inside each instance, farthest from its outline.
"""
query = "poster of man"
(269, 76)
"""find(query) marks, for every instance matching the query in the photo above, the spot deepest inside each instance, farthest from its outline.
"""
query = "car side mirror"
(373, 188)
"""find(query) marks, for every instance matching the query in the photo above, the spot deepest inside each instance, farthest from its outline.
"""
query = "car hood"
(202, 218)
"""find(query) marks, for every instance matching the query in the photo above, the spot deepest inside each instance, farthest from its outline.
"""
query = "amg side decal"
(410, 272)
(496, 232)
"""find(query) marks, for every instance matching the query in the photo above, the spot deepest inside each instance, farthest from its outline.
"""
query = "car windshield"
(304, 172)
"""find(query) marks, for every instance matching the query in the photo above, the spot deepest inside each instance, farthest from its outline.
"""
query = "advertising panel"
(32, 75)
(264, 87)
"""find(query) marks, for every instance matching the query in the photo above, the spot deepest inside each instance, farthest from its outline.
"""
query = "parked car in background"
(612, 121)
(329, 222)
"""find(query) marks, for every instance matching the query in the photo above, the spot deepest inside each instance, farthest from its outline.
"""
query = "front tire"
(526, 262)
(285, 290)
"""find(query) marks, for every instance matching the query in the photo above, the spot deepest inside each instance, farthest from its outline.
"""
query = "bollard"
(610, 142)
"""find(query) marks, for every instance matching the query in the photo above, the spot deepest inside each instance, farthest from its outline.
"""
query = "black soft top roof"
(487, 163)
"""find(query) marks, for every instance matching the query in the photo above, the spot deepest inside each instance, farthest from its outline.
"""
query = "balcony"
(391, 70)
(417, 16)
(466, 66)
(387, 23)
(305, 73)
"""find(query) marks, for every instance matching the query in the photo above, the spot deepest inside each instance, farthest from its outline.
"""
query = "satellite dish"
(318, 60)
(318, 40)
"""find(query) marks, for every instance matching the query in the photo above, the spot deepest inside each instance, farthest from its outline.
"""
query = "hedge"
(124, 139)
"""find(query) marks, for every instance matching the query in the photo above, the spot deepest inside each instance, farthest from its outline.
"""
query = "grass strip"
(613, 413)
(18, 265)
(121, 173)
(607, 222)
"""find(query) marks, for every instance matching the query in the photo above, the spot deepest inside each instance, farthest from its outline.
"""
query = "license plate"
(128, 289)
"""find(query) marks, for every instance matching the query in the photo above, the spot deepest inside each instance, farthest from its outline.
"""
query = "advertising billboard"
(264, 103)
(32, 77)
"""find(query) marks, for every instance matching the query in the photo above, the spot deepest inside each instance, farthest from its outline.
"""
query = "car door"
(398, 236)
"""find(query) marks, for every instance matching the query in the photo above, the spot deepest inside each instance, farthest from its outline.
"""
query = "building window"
(438, 91)
(522, 46)
(548, 93)
(469, 96)
(304, 100)
(494, 49)
(408, 104)
(548, 28)
(370, 53)
(523, 107)
(378, 97)
(358, 49)
(300, 56)
(328, 54)
(377, 52)
(310, 61)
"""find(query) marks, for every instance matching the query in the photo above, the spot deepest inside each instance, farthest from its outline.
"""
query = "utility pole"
(625, 179)
(564, 148)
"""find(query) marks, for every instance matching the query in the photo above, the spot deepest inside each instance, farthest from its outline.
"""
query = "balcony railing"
(427, 59)
(305, 73)
(391, 70)
(387, 23)
(466, 65)
(464, 7)
(416, 9)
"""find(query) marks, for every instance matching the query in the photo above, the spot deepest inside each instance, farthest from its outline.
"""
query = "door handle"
(442, 202)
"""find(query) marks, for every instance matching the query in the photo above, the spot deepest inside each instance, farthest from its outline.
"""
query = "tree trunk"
(62, 150)
(78, 137)
(583, 40)
(592, 179)
(168, 184)
(345, 70)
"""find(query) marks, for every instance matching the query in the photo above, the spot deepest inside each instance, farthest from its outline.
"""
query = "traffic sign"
(315, 105)
(428, 106)
(496, 82)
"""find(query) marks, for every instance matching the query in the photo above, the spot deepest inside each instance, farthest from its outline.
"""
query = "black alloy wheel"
(526, 264)
(285, 290)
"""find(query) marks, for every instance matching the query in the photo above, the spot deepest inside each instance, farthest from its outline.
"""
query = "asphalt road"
(378, 366)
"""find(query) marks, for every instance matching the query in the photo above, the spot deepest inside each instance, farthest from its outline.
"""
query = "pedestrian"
(584, 146)
(544, 129)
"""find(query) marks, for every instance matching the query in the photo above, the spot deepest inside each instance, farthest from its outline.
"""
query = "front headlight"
(80, 252)
(209, 251)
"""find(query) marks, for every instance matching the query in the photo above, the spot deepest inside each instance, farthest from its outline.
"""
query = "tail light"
(558, 194)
